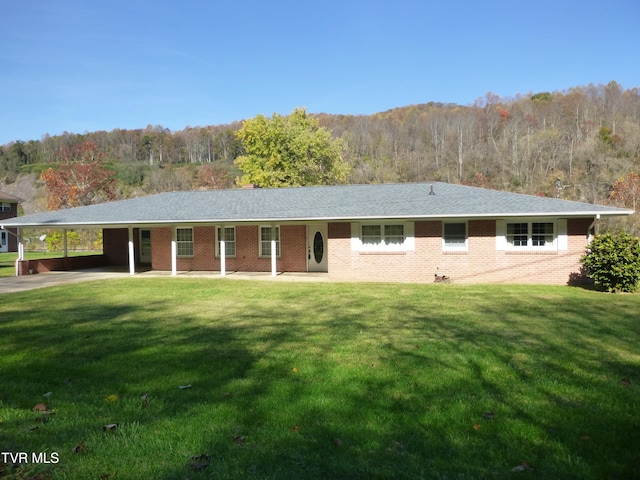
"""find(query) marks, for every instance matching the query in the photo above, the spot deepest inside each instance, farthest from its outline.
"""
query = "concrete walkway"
(50, 279)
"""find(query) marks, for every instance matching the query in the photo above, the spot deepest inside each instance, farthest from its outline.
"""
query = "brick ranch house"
(8, 209)
(390, 232)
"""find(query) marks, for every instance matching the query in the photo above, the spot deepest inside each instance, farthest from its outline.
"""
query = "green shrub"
(613, 262)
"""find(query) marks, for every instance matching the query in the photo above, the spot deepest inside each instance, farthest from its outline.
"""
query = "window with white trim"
(184, 242)
(228, 234)
(265, 241)
(5, 207)
(530, 235)
(454, 236)
(382, 237)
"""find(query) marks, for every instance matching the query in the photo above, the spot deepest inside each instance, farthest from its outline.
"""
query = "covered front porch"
(207, 250)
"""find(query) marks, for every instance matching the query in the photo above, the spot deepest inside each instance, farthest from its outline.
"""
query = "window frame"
(261, 241)
(5, 207)
(455, 247)
(185, 243)
(551, 243)
(227, 243)
(360, 238)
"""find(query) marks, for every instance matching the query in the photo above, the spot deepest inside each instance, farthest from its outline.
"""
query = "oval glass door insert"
(318, 247)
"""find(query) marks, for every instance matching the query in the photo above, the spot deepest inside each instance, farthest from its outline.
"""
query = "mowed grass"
(313, 380)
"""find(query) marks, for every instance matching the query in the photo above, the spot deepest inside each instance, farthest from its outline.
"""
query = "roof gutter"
(159, 223)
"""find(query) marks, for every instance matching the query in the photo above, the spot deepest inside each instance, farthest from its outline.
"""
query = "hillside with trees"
(574, 144)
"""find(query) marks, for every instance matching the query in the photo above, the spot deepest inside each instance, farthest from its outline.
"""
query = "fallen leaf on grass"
(112, 398)
(200, 462)
(47, 395)
(184, 387)
(476, 426)
(203, 457)
(111, 427)
(79, 448)
(39, 407)
(625, 381)
(523, 467)
(295, 428)
(397, 447)
(294, 370)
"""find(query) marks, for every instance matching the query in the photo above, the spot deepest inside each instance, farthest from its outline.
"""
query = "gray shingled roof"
(6, 197)
(346, 202)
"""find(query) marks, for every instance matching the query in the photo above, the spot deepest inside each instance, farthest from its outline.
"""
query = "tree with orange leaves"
(626, 191)
(81, 179)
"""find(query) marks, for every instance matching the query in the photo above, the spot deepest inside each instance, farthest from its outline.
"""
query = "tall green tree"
(289, 150)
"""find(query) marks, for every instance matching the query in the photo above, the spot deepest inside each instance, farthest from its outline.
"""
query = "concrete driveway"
(50, 279)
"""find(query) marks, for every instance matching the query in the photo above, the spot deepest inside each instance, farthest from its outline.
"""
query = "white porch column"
(223, 255)
(65, 244)
(20, 253)
(132, 259)
(273, 251)
(174, 252)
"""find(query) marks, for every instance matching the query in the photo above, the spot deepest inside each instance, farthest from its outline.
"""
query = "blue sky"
(77, 65)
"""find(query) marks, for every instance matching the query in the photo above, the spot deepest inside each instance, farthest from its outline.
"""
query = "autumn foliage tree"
(626, 191)
(81, 179)
(212, 178)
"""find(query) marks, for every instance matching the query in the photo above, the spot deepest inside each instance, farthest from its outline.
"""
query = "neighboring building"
(391, 232)
(8, 209)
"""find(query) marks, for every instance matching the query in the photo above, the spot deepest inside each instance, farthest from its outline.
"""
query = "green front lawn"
(305, 380)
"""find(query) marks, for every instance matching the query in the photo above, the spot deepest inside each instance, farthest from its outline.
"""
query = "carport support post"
(132, 260)
(273, 251)
(64, 243)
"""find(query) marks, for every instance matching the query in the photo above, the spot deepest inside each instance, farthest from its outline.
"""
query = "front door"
(145, 246)
(317, 248)
(4, 241)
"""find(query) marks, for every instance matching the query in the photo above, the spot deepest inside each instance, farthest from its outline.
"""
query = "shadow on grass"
(451, 383)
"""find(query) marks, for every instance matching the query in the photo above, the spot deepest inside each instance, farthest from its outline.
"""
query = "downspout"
(593, 227)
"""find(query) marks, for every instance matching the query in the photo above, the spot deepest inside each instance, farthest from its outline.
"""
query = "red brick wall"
(65, 264)
(293, 248)
(115, 245)
(480, 263)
